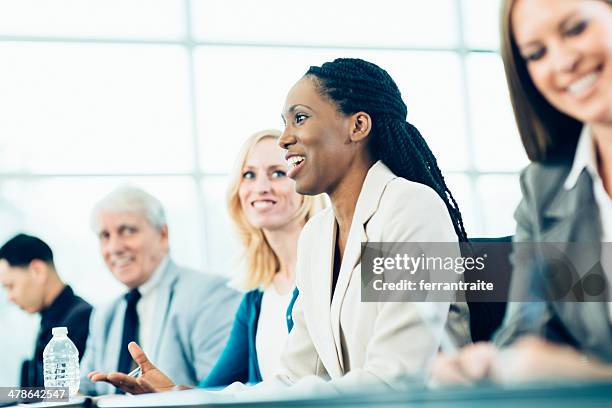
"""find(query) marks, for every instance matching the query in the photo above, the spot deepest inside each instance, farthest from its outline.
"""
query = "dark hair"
(22, 249)
(548, 135)
(354, 85)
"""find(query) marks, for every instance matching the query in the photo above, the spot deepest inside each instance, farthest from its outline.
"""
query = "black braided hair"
(354, 85)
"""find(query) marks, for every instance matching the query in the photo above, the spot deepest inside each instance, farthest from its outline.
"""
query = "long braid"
(354, 85)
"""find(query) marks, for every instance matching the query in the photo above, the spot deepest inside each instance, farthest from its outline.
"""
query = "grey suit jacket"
(550, 213)
(195, 312)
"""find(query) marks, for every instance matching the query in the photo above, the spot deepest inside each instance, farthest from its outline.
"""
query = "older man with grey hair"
(181, 318)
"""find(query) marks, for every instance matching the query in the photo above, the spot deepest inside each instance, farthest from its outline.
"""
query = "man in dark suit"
(28, 274)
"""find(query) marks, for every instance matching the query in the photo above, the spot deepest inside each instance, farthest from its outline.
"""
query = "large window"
(161, 93)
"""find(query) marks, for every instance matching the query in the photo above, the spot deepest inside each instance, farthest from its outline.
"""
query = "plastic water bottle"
(61, 362)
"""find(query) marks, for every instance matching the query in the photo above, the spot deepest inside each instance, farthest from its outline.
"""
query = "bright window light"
(390, 23)
(116, 19)
(94, 108)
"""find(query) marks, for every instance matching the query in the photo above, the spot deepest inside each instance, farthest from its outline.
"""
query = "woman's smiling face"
(267, 196)
(567, 48)
(317, 139)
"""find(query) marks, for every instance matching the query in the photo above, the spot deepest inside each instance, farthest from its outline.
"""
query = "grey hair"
(133, 200)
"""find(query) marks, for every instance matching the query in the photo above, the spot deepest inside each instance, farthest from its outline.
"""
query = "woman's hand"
(529, 359)
(151, 378)
(535, 359)
(471, 364)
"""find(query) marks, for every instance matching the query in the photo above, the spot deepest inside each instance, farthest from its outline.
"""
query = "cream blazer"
(349, 341)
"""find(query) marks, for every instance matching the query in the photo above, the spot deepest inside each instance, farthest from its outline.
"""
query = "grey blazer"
(195, 313)
(550, 213)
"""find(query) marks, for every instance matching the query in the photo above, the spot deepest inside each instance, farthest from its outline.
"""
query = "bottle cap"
(58, 331)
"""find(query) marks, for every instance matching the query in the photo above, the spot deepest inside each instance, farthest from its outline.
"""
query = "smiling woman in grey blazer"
(558, 61)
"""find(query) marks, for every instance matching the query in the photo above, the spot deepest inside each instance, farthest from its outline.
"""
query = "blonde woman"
(268, 215)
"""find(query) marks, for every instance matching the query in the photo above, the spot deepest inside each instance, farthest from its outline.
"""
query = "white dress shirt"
(585, 158)
(146, 307)
(272, 331)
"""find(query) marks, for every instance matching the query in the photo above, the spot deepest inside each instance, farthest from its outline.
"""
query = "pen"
(135, 373)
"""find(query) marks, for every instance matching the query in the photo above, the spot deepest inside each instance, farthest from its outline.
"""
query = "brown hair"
(262, 262)
(547, 134)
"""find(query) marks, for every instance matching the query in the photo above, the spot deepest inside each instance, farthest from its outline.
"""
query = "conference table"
(582, 395)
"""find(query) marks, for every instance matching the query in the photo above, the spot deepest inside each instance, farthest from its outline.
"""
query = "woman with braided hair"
(346, 135)
(355, 85)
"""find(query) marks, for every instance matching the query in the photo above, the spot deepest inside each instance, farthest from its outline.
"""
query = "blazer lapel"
(321, 262)
(373, 187)
(351, 258)
(573, 217)
(163, 305)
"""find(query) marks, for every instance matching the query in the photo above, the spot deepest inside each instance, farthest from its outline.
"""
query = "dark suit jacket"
(67, 310)
(238, 362)
(550, 213)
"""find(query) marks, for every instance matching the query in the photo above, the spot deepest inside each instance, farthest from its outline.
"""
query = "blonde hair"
(262, 262)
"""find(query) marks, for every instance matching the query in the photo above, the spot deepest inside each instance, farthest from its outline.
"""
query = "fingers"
(471, 364)
(456, 374)
(119, 380)
(447, 371)
(140, 357)
(96, 376)
(476, 361)
(146, 386)
(121, 377)
(124, 382)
